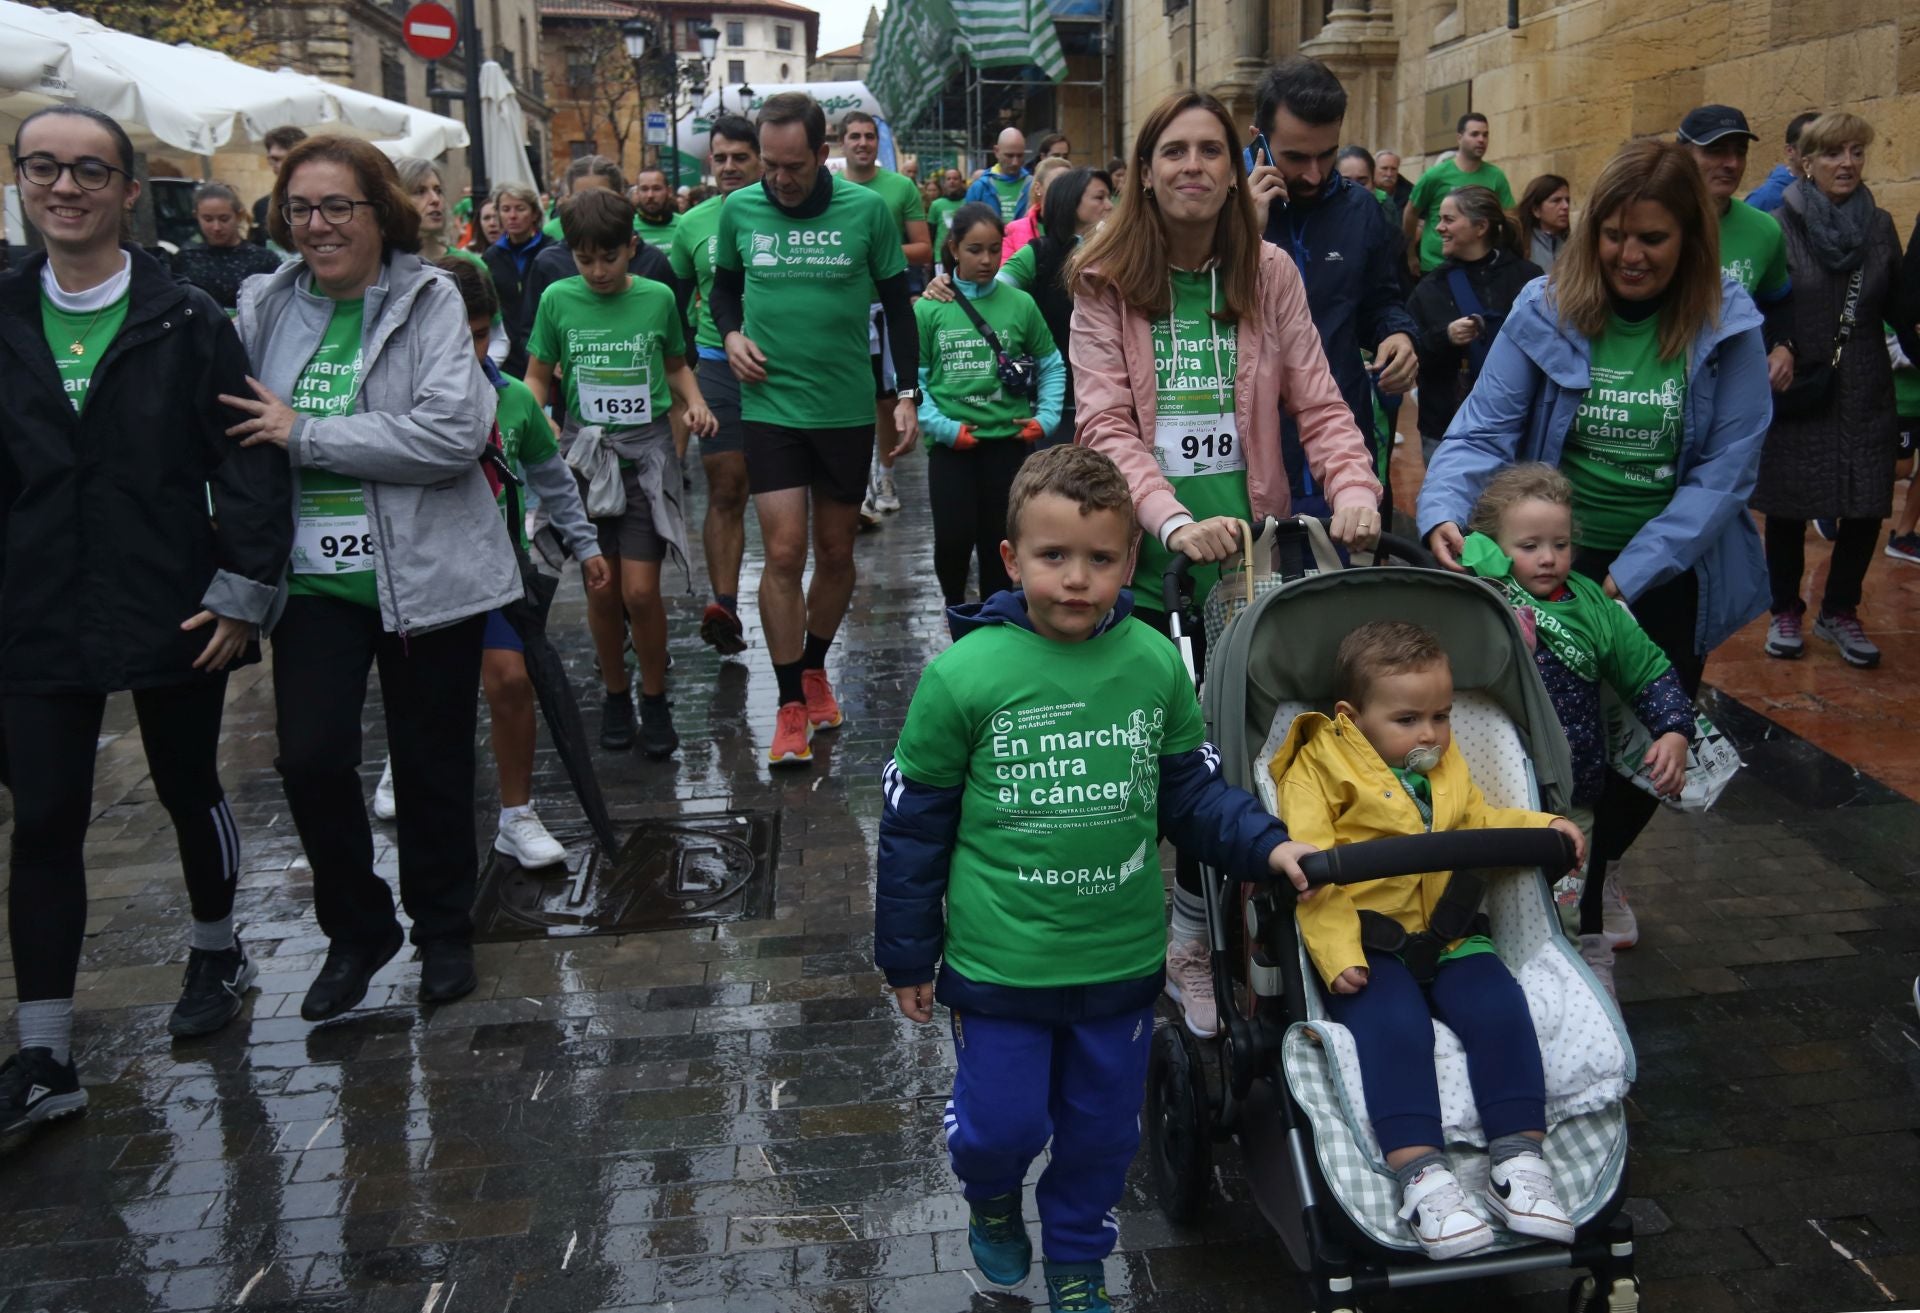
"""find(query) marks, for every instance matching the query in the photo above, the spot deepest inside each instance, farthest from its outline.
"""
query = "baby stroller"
(1281, 1079)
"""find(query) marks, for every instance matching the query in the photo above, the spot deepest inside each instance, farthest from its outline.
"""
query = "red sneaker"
(822, 711)
(792, 737)
(721, 630)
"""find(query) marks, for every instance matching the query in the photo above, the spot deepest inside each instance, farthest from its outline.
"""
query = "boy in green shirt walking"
(617, 342)
(1043, 756)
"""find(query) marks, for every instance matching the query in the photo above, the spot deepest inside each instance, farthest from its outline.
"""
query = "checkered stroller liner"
(1584, 1048)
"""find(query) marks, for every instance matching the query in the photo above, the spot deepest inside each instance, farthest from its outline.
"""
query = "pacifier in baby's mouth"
(1423, 759)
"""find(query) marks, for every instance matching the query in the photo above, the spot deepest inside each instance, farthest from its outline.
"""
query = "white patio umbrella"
(361, 113)
(186, 98)
(505, 128)
(427, 135)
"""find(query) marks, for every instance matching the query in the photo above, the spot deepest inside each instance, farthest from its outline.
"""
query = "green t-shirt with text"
(808, 285)
(901, 196)
(612, 349)
(1055, 873)
(1434, 186)
(692, 259)
(525, 439)
(962, 381)
(1622, 453)
(1195, 439)
(334, 553)
(91, 332)
(657, 235)
(1007, 191)
(1753, 251)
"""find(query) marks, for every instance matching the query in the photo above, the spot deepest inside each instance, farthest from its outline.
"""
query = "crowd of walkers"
(283, 439)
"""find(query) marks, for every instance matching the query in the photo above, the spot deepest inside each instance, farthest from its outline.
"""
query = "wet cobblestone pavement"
(732, 1118)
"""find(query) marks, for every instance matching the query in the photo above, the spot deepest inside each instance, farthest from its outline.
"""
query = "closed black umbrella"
(551, 687)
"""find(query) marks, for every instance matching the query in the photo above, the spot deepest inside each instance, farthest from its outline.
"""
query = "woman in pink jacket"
(1189, 336)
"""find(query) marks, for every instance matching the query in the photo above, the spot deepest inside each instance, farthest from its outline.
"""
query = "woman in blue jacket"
(1638, 371)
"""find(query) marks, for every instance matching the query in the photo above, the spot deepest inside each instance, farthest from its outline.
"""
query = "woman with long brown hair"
(1638, 371)
(1190, 334)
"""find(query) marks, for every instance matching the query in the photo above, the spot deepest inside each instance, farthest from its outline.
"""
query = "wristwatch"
(908, 394)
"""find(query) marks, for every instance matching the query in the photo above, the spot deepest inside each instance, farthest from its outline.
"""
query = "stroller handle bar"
(1173, 586)
(1449, 850)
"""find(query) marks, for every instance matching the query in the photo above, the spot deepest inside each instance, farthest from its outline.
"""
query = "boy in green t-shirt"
(527, 444)
(1043, 756)
(616, 342)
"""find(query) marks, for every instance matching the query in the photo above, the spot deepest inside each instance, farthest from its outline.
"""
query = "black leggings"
(1853, 549)
(48, 759)
(323, 650)
(969, 490)
(1670, 615)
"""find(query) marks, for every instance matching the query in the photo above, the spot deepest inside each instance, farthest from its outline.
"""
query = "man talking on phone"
(1342, 241)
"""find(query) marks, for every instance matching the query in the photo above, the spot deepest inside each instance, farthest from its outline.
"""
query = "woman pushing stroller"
(1385, 765)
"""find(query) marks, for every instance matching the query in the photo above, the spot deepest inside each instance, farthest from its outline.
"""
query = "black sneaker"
(212, 991)
(344, 976)
(34, 1089)
(657, 736)
(446, 971)
(616, 722)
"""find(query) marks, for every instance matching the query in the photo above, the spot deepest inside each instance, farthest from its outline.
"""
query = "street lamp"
(638, 34)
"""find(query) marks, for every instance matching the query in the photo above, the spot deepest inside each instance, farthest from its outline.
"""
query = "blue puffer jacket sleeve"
(1487, 431)
(1208, 818)
(1720, 467)
(918, 825)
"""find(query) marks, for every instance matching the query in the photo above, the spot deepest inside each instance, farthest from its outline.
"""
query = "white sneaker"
(869, 510)
(383, 807)
(1435, 1207)
(526, 840)
(1522, 1194)
(884, 497)
(1190, 984)
(1597, 953)
(1617, 921)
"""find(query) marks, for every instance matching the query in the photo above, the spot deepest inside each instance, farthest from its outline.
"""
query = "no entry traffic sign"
(430, 31)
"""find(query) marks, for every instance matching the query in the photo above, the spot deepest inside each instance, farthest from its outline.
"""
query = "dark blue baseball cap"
(1709, 123)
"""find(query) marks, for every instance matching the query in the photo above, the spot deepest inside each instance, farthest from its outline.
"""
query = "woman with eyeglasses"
(364, 376)
(116, 573)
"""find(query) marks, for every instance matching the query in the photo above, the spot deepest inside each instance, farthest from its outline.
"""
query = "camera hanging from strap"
(1018, 374)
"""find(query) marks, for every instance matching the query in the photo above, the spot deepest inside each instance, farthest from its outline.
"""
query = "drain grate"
(669, 875)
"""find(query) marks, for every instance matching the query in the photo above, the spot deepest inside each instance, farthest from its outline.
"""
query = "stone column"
(1359, 45)
(1248, 58)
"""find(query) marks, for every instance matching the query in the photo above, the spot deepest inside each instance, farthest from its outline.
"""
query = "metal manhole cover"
(669, 875)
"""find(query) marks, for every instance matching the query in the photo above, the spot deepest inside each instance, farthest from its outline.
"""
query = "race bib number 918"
(1188, 445)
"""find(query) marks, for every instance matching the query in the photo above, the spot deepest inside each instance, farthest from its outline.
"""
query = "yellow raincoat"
(1335, 789)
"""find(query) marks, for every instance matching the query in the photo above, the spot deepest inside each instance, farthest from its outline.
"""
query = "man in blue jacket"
(1008, 185)
(1770, 193)
(1340, 237)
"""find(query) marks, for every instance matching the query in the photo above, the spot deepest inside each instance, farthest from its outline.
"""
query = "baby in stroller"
(1396, 953)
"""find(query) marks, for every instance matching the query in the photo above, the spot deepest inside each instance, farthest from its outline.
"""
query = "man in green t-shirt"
(953, 194)
(735, 160)
(1042, 756)
(1465, 167)
(860, 138)
(655, 216)
(1753, 250)
(796, 263)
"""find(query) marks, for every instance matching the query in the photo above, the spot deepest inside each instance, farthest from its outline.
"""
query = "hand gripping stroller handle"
(1174, 588)
(1451, 850)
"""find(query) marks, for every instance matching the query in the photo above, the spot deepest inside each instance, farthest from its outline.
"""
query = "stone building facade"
(1566, 86)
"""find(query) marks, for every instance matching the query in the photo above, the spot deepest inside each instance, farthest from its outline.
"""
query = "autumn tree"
(223, 25)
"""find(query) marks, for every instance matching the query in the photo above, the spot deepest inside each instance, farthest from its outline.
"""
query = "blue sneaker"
(1078, 1288)
(997, 1235)
(1827, 529)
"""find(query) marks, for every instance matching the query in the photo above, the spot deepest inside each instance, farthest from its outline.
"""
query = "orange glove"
(965, 441)
(1030, 431)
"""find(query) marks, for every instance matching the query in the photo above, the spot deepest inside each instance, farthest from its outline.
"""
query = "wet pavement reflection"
(730, 1116)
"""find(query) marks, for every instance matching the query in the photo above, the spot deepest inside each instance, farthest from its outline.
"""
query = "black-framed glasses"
(89, 174)
(334, 209)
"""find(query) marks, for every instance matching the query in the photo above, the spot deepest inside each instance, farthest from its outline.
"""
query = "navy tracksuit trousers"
(1023, 1083)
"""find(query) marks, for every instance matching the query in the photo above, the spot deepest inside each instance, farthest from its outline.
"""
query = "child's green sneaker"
(1078, 1288)
(997, 1235)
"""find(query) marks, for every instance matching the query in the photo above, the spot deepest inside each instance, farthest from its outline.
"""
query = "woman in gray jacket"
(1830, 452)
(364, 372)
